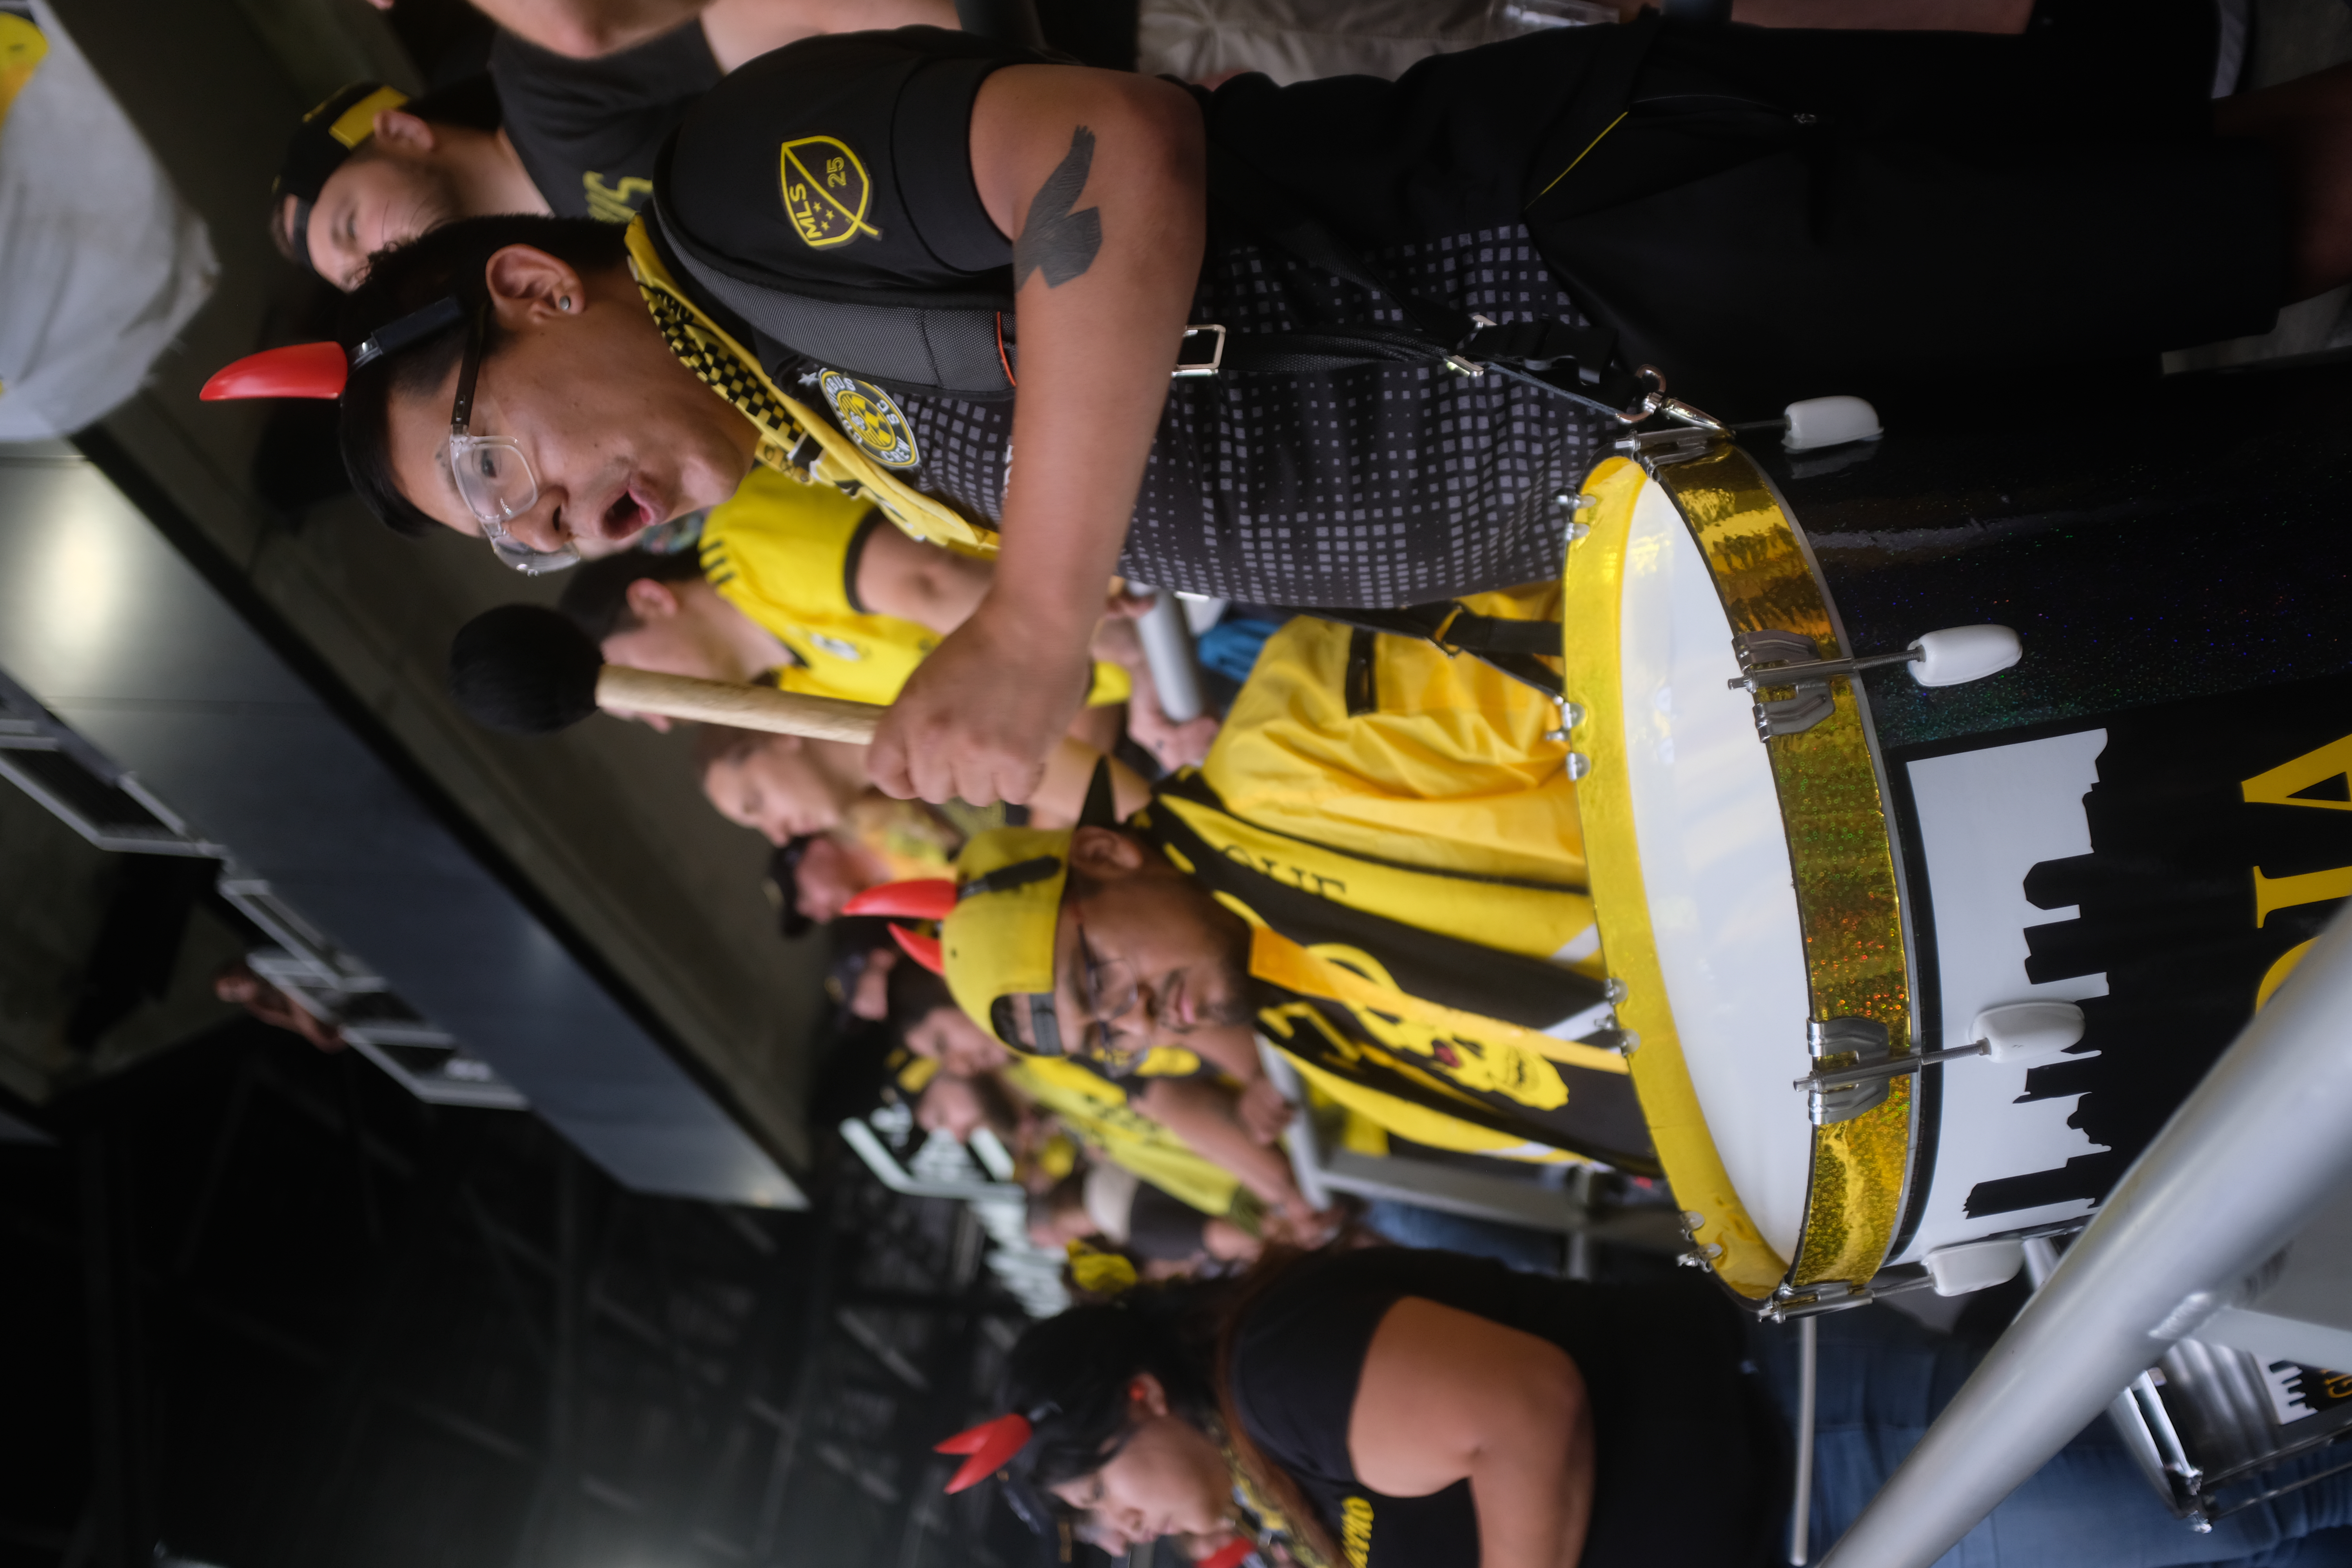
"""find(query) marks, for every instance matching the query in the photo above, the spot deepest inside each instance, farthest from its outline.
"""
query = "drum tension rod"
(1896, 1067)
(1817, 669)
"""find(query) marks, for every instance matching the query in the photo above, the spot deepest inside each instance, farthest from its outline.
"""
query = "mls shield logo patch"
(826, 192)
(869, 418)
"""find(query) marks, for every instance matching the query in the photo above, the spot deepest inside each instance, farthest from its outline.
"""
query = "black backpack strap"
(944, 343)
(1514, 648)
(1580, 363)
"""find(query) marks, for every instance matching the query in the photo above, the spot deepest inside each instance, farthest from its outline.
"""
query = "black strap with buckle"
(1514, 648)
(1580, 363)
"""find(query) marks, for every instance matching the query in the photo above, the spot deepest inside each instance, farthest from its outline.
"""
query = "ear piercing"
(565, 302)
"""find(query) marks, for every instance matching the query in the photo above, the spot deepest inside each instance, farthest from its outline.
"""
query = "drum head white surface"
(1715, 865)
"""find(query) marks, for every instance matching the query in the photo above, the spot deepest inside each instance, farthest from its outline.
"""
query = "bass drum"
(2147, 818)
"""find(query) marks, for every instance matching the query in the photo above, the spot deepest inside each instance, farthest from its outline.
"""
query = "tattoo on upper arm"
(1054, 239)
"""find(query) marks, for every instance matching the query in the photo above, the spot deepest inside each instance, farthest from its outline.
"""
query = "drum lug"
(1680, 443)
(1809, 702)
(1794, 715)
(1702, 1254)
(1863, 1039)
(1573, 502)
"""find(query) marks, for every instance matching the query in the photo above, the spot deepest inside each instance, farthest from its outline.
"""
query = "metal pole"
(2167, 1250)
(1167, 649)
(1800, 1507)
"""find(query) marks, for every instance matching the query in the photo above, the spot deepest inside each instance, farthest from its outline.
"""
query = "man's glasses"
(492, 476)
(1110, 992)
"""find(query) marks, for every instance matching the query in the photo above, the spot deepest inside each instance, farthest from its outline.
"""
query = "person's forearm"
(1116, 642)
(1203, 1115)
(1888, 16)
(1098, 175)
(1232, 1049)
(1534, 1499)
(898, 575)
(1107, 254)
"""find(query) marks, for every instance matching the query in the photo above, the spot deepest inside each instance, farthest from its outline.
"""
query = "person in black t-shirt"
(1390, 1408)
(542, 132)
(1958, 206)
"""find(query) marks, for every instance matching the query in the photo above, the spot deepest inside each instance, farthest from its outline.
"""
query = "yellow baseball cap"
(997, 922)
(998, 941)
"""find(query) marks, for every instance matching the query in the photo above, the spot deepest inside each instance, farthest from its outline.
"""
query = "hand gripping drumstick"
(528, 670)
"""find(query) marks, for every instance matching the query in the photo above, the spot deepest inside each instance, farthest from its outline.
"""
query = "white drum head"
(1715, 865)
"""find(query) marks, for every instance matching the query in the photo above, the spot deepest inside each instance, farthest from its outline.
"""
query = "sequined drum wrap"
(1840, 854)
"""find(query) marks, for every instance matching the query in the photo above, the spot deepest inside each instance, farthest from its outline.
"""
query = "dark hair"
(1069, 1193)
(784, 881)
(1069, 1375)
(448, 261)
(915, 995)
(596, 595)
(471, 102)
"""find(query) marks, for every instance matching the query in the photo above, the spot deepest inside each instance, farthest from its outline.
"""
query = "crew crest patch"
(826, 192)
(869, 418)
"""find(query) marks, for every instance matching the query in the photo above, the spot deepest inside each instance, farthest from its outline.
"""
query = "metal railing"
(2167, 1250)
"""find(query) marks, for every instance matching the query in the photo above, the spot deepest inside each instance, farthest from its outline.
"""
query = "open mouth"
(630, 514)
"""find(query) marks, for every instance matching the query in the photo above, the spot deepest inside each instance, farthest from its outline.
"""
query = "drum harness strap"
(964, 344)
(1514, 648)
(1578, 363)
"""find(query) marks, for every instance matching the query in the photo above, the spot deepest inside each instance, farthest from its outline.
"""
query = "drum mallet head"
(524, 669)
(528, 670)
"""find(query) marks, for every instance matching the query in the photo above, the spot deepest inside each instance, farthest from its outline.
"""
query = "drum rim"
(1850, 884)
(1715, 1218)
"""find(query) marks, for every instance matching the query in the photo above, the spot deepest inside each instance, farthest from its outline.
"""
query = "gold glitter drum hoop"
(1747, 890)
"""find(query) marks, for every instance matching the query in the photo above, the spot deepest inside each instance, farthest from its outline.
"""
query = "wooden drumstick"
(620, 689)
(529, 670)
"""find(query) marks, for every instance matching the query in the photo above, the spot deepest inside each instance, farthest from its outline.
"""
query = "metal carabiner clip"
(1655, 401)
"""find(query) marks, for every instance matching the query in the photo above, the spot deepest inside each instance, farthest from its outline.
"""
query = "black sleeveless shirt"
(844, 163)
(1689, 1449)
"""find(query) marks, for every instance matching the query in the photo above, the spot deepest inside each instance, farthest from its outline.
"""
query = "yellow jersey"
(785, 553)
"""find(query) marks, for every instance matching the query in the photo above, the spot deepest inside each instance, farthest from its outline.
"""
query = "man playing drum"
(846, 227)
